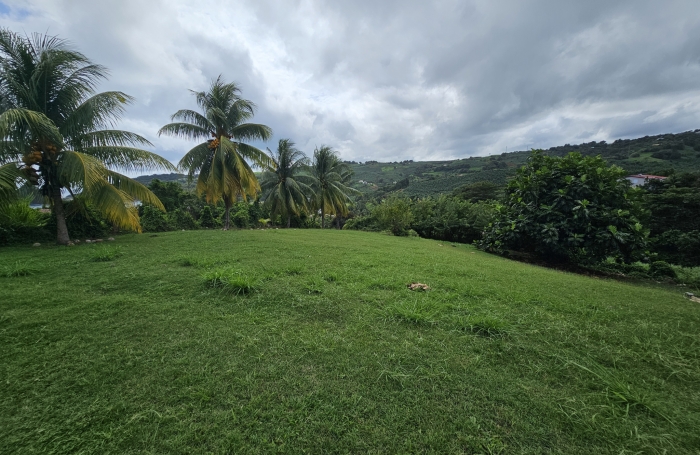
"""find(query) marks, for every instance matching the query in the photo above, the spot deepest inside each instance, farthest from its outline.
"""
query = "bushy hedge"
(19, 223)
(442, 218)
(574, 209)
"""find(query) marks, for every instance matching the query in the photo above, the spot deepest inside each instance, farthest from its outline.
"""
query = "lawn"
(291, 341)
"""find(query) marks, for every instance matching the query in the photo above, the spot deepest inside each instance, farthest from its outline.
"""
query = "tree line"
(58, 139)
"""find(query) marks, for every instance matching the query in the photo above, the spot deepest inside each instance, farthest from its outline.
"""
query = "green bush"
(451, 219)
(153, 220)
(82, 220)
(661, 269)
(362, 223)
(206, 218)
(575, 209)
(239, 213)
(394, 214)
(19, 223)
(180, 219)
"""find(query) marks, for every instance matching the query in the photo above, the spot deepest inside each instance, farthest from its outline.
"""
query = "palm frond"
(10, 175)
(116, 205)
(14, 120)
(104, 138)
(254, 154)
(80, 170)
(128, 158)
(134, 189)
(193, 117)
(185, 130)
(99, 111)
(195, 159)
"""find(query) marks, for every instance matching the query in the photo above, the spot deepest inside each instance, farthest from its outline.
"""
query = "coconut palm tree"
(56, 132)
(224, 173)
(286, 188)
(331, 177)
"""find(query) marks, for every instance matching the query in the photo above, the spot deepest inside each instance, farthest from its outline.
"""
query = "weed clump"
(18, 269)
(186, 261)
(414, 312)
(330, 277)
(487, 327)
(106, 254)
(230, 282)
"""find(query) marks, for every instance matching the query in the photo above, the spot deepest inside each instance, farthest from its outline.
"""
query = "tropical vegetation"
(287, 187)
(220, 162)
(57, 133)
(575, 209)
(331, 184)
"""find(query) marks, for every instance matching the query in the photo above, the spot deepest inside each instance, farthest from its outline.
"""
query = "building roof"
(646, 176)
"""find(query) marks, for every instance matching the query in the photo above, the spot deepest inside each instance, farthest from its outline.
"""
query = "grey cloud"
(399, 79)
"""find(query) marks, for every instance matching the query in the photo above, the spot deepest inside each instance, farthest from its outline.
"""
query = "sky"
(395, 80)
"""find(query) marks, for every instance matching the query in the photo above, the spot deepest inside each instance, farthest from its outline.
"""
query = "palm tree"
(331, 178)
(55, 131)
(224, 173)
(286, 188)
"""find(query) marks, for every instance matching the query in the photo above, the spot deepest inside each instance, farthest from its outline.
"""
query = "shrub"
(180, 219)
(240, 216)
(681, 248)
(451, 219)
(362, 223)
(82, 220)
(575, 209)
(394, 214)
(153, 220)
(206, 218)
(661, 269)
(20, 223)
(106, 254)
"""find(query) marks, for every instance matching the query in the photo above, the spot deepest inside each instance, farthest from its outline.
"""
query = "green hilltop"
(661, 154)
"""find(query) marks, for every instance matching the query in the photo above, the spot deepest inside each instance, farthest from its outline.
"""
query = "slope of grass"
(286, 341)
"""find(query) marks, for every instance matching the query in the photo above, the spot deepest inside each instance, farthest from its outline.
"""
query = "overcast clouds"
(398, 79)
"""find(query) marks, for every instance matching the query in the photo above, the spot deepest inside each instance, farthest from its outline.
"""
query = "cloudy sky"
(397, 79)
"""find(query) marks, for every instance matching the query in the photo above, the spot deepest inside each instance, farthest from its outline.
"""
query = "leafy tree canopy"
(573, 208)
(57, 132)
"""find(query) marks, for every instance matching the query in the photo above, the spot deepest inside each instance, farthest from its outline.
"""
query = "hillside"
(650, 155)
(142, 345)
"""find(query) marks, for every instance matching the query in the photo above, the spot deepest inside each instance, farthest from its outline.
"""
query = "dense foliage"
(573, 208)
(330, 184)
(57, 132)
(221, 161)
(442, 218)
(287, 187)
(673, 207)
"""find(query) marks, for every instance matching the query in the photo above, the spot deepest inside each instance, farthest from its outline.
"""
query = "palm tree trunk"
(323, 218)
(62, 237)
(227, 219)
(289, 221)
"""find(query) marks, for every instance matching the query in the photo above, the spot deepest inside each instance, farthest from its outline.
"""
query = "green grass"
(328, 351)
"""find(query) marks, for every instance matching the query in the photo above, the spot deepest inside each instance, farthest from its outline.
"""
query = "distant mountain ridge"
(659, 154)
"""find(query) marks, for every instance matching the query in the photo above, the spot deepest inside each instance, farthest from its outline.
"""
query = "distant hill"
(172, 177)
(658, 155)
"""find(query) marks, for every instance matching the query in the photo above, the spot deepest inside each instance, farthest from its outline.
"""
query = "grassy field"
(287, 341)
